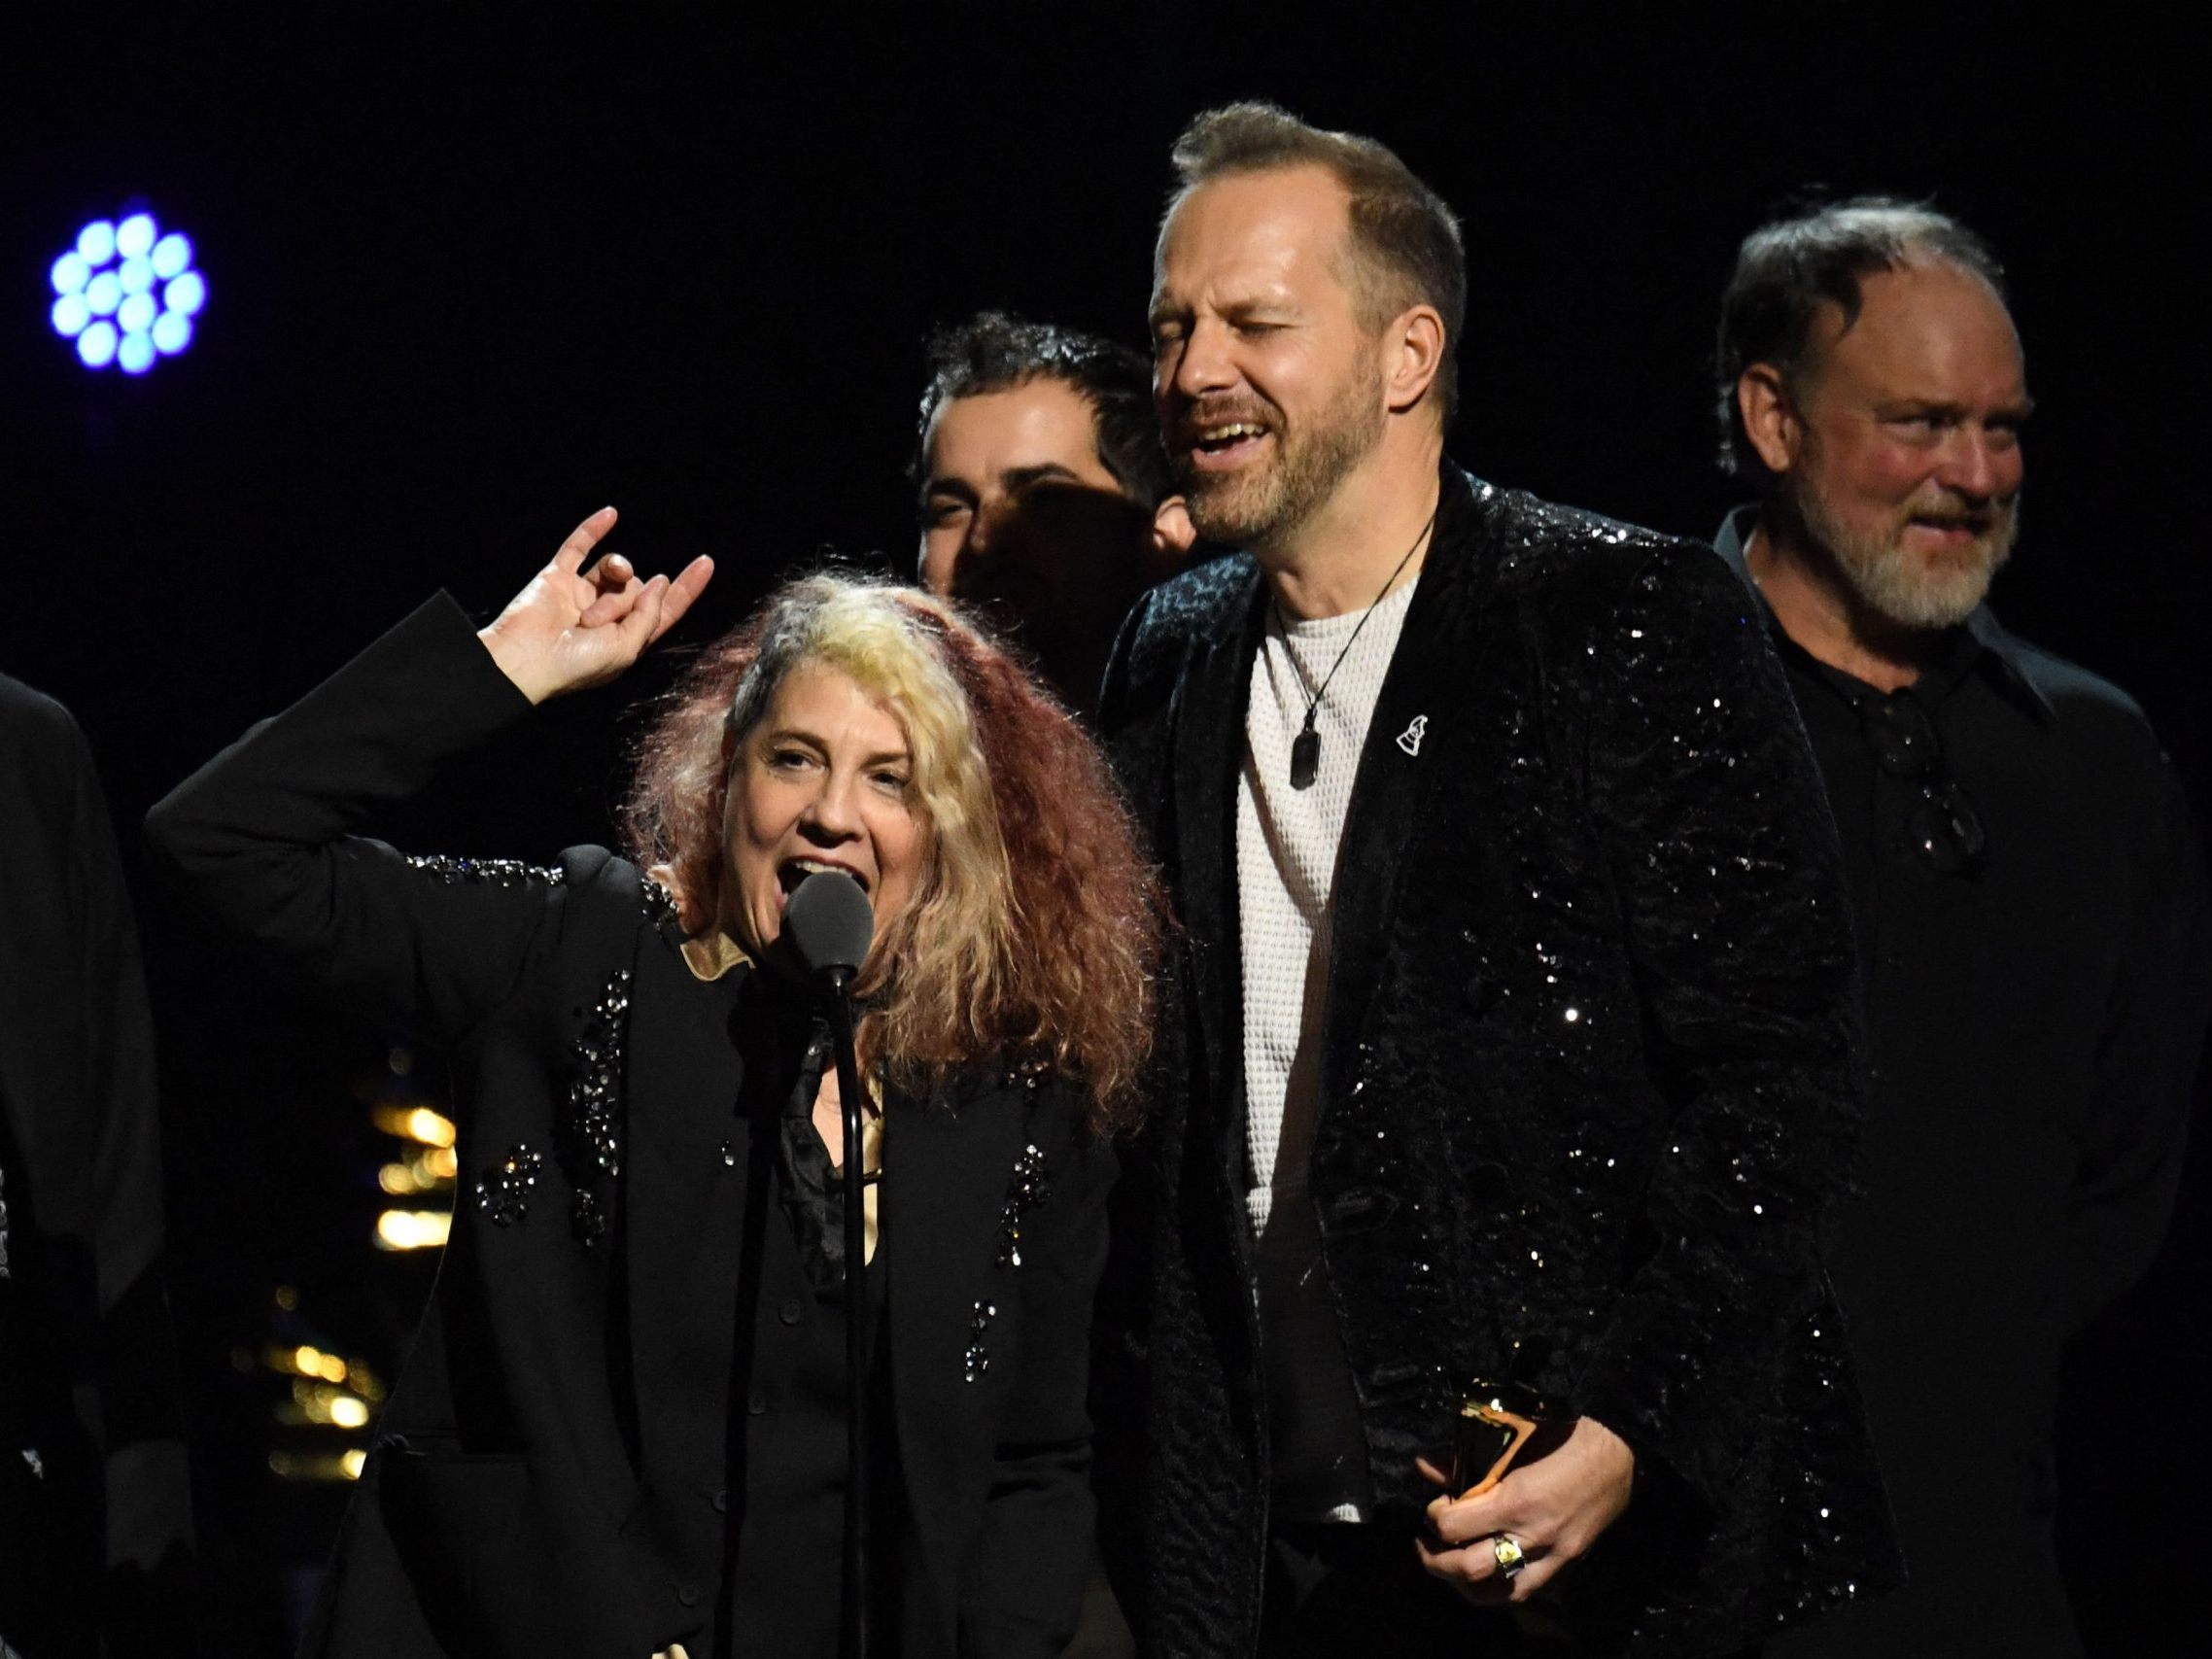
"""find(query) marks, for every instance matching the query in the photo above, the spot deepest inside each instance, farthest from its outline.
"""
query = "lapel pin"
(1409, 740)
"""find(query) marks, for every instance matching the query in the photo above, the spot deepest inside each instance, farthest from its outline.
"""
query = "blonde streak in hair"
(950, 955)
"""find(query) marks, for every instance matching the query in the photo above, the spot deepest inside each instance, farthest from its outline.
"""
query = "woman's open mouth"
(792, 870)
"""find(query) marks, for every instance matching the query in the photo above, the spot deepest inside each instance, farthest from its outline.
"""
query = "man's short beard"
(1260, 504)
(1901, 590)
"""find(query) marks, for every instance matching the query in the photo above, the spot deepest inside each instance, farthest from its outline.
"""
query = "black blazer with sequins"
(1589, 1078)
(560, 1470)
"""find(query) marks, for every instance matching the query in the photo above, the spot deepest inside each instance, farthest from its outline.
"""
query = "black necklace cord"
(1305, 749)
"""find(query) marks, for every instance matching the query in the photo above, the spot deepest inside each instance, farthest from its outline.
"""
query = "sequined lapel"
(682, 1192)
(1425, 683)
(1209, 740)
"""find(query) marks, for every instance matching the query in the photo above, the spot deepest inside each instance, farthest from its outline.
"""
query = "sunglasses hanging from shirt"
(1942, 825)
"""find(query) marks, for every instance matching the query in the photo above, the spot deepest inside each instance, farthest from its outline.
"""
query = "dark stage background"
(473, 275)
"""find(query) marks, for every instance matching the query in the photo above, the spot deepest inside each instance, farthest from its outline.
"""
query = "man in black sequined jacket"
(1576, 1081)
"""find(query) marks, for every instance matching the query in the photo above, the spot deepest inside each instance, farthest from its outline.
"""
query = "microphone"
(831, 924)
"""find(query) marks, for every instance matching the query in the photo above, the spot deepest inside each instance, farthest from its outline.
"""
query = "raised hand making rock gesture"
(572, 627)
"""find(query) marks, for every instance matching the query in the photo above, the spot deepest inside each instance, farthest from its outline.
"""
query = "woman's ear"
(687, 914)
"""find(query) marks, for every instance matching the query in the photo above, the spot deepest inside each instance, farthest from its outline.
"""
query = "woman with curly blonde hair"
(622, 1429)
(1031, 937)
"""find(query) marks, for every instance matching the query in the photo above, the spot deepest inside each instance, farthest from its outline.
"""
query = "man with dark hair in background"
(1516, 1036)
(1045, 495)
(1046, 499)
(95, 1515)
(2026, 881)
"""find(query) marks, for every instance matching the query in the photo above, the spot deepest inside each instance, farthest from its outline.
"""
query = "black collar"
(1980, 641)
(1240, 616)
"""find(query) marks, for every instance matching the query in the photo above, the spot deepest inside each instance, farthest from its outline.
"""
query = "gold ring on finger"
(1508, 1554)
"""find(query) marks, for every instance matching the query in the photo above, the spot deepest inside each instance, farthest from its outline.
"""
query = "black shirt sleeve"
(2134, 1123)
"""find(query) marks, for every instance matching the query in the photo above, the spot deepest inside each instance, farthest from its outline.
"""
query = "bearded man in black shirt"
(2028, 889)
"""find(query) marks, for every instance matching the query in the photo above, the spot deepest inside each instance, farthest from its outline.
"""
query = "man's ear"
(1770, 417)
(1173, 535)
(1415, 343)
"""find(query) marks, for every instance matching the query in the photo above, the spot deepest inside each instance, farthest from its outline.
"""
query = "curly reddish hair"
(1035, 935)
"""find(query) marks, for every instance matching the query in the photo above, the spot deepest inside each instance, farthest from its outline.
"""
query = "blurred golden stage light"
(412, 1230)
(414, 1124)
(318, 1466)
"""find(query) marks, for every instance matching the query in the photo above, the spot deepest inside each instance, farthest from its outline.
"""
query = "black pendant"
(1306, 757)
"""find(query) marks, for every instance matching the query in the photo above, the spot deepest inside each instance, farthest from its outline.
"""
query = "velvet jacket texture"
(561, 1469)
(1590, 1082)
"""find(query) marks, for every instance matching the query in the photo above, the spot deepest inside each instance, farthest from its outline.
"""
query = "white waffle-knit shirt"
(1286, 866)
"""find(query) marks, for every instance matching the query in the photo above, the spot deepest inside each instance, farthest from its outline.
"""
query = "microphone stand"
(852, 1642)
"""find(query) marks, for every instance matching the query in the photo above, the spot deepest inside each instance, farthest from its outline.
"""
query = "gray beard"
(1901, 590)
(1239, 512)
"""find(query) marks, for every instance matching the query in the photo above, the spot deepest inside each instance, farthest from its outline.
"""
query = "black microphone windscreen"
(829, 922)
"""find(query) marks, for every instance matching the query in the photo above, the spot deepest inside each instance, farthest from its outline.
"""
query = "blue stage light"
(134, 236)
(172, 333)
(126, 293)
(96, 345)
(186, 293)
(171, 255)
